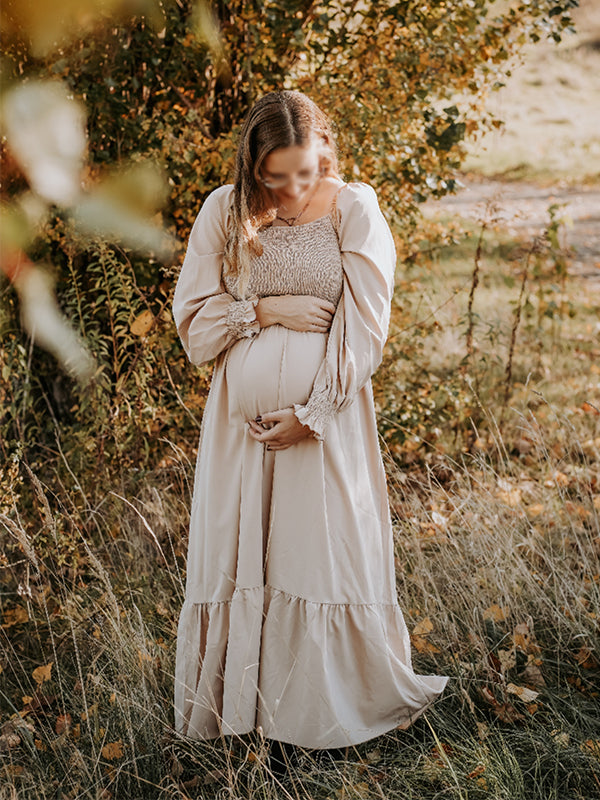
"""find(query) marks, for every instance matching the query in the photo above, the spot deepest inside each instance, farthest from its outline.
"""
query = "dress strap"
(334, 209)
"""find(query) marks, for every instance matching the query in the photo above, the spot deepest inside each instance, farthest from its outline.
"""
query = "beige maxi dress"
(291, 620)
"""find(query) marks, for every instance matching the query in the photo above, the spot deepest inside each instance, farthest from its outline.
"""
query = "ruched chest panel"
(301, 259)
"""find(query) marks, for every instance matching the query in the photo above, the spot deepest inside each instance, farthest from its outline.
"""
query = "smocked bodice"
(301, 259)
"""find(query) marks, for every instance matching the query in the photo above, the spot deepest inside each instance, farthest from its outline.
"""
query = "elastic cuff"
(241, 319)
(316, 414)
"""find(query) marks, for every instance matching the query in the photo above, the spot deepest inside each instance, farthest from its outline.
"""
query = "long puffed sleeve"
(208, 318)
(360, 324)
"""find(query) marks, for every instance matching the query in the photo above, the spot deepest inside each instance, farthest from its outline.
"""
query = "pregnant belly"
(272, 370)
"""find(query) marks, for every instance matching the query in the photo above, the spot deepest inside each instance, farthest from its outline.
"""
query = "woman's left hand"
(285, 429)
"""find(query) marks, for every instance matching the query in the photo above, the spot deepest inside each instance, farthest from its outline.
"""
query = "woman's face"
(289, 171)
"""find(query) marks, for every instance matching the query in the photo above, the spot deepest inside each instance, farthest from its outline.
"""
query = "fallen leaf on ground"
(591, 746)
(586, 659)
(495, 613)
(525, 694)
(15, 616)
(113, 750)
(41, 674)
(423, 645)
(477, 771)
(536, 509)
(504, 711)
(63, 723)
(423, 628)
(524, 639)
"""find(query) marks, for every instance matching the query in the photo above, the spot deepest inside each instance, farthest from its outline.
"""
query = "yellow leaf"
(42, 674)
(15, 616)
(423, 628)
(525, 694)
(536, 509)
(113, 750)
(524, 640)
(92, 710)
(423, 645)
(14, 770)
(591, 746)
(585, 658)
(477, 771)
(511, 497)
(495, 613)
(142, 323)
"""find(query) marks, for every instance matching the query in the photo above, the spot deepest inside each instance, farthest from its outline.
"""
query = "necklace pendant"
(289, 221)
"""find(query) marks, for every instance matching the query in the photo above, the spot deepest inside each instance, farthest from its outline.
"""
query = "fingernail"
(258, 419)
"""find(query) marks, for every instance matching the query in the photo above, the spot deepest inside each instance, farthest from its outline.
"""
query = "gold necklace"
(289, 221)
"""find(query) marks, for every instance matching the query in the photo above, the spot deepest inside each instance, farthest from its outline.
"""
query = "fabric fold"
(330, 675)
(360, 324)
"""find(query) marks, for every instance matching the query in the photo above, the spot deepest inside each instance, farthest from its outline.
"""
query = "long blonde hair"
(278, 119)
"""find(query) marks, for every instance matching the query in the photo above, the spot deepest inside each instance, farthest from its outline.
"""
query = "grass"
(497, 540)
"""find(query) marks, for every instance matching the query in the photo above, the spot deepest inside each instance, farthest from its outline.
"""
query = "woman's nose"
(293, 188)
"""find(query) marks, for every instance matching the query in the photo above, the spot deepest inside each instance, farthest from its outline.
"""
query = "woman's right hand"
(298, 312)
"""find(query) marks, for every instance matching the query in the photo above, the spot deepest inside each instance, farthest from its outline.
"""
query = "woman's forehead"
(291, 159)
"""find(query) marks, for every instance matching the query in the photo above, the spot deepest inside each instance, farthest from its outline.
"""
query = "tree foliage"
(172, 86)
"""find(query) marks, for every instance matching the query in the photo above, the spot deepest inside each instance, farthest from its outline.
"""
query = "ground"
(522, 208)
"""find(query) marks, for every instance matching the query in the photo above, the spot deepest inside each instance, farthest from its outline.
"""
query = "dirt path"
(523, 209)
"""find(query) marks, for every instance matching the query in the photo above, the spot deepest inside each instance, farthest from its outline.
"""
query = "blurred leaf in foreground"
(43, 320)
(45, 131)
(49, 25)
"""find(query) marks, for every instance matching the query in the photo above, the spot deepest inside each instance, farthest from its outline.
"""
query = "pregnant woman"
(291, 621)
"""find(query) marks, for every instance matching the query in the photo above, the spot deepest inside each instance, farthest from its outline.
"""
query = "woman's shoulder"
(356, 197)
(215, 207)
(219, 197)
(356, 192)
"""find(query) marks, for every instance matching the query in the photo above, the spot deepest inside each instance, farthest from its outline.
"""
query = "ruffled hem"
(317, 413)
(241, 319)
(312, 674)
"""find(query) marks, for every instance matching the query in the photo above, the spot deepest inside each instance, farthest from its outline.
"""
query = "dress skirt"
(291, 620)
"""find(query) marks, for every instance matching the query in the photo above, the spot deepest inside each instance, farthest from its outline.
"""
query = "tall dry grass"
(497, 542)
